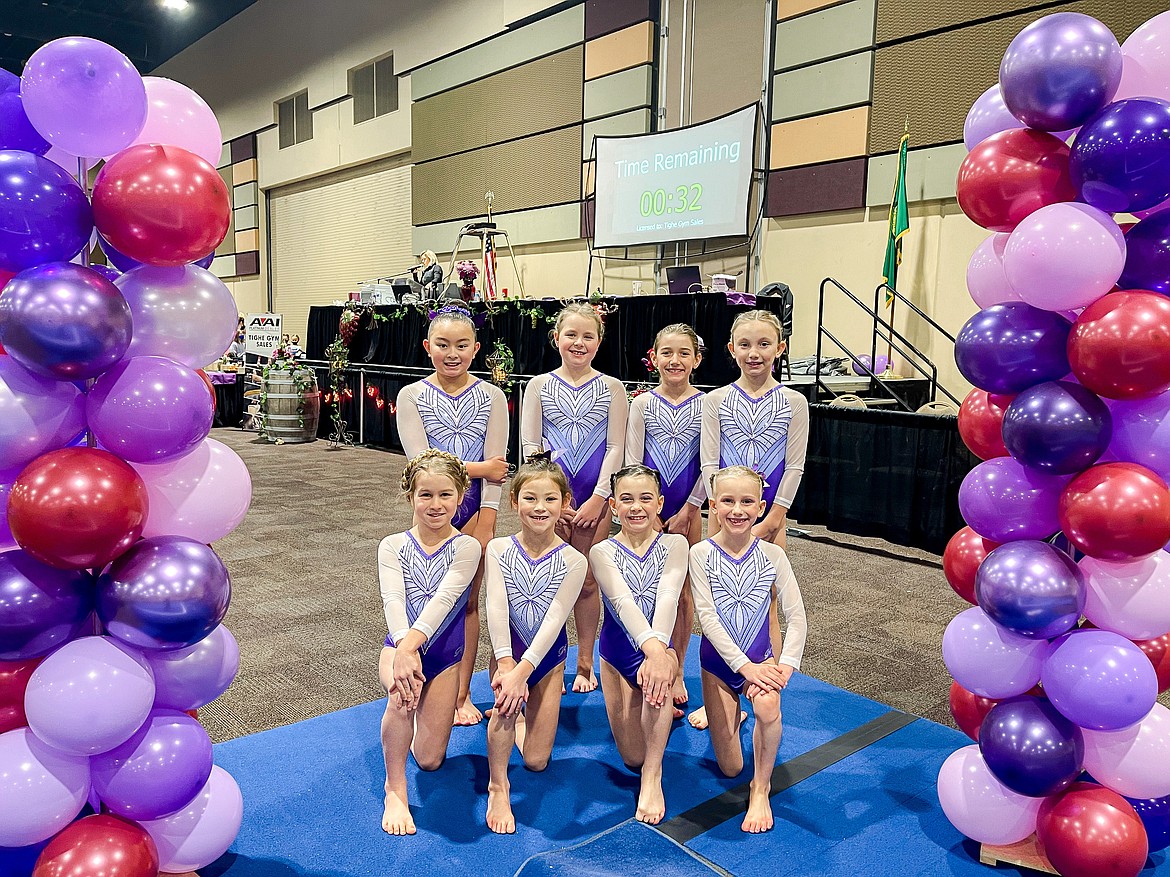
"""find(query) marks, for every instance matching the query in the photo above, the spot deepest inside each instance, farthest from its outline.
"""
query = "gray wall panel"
(619, 91)
(833, 31)
(829, 86)
(930, 174)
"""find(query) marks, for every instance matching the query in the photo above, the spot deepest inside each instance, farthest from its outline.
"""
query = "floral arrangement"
(502, 362)
(351, 319)
(467, 271)
(648, 361)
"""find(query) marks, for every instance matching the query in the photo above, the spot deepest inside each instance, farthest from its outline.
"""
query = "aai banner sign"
(263, 334)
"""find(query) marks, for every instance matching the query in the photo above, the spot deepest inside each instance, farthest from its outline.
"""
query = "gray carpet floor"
(308, 616)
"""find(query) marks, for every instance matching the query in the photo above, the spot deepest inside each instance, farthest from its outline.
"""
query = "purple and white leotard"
(665, 437)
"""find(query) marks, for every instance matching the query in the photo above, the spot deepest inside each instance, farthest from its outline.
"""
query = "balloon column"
(1057, 664)
(111, 600)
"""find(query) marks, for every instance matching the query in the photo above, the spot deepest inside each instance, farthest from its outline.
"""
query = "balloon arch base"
(1025, 854)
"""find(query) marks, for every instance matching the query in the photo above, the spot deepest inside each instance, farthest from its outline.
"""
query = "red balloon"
(161, 205)
(77, 508)
(210, 385)
(1116, 511)
(99, 846)
(1011, 174)
(1158, 651)
(969, 709)
(1090, 831)
(1119, 346)
(961, 559)
(14, 676)
(981, 423)
(12, 717)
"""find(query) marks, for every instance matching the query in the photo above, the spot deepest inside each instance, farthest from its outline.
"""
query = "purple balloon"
(1030, 747)
(106, 271)
(1147, 255)
(205, 262)
(41, 790)
(1003, 500)
(1141, 432)
(41, 607)
(64, 321)
(1058, 427)
(187, 679)
(1060, 70)
(1155, 816)
(158, 770)
(1031, 589)
(8, 81)
(1011, 346)
(200, 832)
(989, 660)
(36, 414)
(6, 539)
(1099, 680)
(863, 364)
(164, 593)
(987, 116)
(1120, 160)
(16, 131)
(147, 409)
(44, 214)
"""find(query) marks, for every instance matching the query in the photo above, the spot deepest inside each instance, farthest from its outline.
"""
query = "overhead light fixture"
(176, 5)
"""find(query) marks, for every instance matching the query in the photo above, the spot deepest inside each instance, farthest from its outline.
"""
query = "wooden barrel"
(292, 405)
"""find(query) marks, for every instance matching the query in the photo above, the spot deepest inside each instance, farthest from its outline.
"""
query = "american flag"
(490, 287)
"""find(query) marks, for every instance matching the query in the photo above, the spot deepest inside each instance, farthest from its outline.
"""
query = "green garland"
(338, 355)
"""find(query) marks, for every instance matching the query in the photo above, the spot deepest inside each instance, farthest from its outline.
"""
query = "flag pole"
(898, 225)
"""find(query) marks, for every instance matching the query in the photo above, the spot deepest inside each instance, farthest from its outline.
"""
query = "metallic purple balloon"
(16, 131)
(1030, 747)
(1058, 427)
(64, 321)
(44, 214)
(1031, 589)
(1003, 500)
(1099, 680)
(1060, 70)
(164, 593)
(36, 414)
(158, 770)
(1147, 255)
(1011, 346)
(147, 409)
(1120, 160)
(106, 271)
(187, 679)
(41, 607)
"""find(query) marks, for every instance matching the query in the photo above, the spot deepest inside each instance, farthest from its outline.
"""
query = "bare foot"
(583, 683)
(499, 811)
(698, 718)
(651, 803)
(759, 812)
(397, 819)
(467, 714)
(679, 693)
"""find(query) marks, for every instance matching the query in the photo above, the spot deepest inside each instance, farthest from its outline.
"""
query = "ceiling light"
(177, 5)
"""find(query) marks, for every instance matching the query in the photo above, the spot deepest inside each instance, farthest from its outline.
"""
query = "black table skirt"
(229, 403)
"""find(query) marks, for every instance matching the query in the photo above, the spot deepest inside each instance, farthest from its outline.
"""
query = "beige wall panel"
(247, 240)
(827, 86)
(790, 8)
(727, 58)
(825, 34)
(619, 91)
(244, 172)
(930, 174)
(620, 50)
(533, 97)
(534, 172)
(820, 138)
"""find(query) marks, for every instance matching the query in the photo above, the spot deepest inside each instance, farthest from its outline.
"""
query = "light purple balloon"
(1134, 761)
(41, 790)
(89, 696)
(37, 414)
(987, 659)
(979, 805)
(1099, 679)
(185, 314)
(1141, 432)
(986, 280)
(177, 116)
(1003, 500)
(161, 768)
(987, 116)
(1145, 69)
(1129, 597)
(203, 495)
(1064, 256)
(1060, 70)
(149, 409)
(190, 678)
(201, 832)
(83, 96)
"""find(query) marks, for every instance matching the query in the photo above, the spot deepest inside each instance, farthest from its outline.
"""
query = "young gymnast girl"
(641, 572)
(455, 412)
(425, 574)
(737, 580)
(579, 415)
(533, 579)
(663, 433)
(758, 423)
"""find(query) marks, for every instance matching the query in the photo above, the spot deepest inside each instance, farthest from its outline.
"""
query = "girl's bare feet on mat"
(499, 811)
(396, 818)
(698, 718)
(759, 811)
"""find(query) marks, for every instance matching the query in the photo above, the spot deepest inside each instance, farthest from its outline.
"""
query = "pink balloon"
(1129, 597)
(177, 116)
(1064, 256)
(1134, 761)
(1145, 69)
(979, 805)
(41, 789)
(203, 495)
(986, 281)
(201, 832)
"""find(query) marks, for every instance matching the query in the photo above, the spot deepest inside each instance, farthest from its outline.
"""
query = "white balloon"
(979, 805)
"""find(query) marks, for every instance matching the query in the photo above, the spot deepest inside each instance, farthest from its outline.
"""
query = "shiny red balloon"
(969, 709)
(1012, 174)
(207, 380)
(99, 846)
(161, 205)
(1158, 651)
(14, 676)
(77, 508)
(1090, 831)
(1119, 346)
(1116, 511)
(961, 559)
(981, 423)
